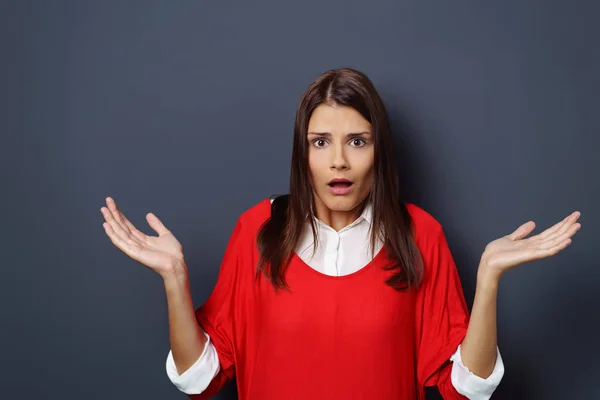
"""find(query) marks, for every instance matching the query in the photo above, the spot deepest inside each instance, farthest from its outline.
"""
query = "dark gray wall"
(186, 109)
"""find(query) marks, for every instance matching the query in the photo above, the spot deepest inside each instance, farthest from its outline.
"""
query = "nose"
(339, 161)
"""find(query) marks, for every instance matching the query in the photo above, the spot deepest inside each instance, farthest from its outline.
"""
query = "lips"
(339, 182)
(340, 186)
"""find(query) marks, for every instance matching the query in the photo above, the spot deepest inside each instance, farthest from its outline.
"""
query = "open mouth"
(340, 184)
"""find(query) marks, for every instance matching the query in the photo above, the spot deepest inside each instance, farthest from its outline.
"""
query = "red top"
(334, 337)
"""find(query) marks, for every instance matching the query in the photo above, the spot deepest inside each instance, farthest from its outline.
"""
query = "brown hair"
(279, 235)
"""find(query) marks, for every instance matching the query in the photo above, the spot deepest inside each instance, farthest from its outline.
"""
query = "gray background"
(186, 109)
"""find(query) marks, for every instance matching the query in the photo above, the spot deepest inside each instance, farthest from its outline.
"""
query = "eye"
(314, 142)
(362, 141)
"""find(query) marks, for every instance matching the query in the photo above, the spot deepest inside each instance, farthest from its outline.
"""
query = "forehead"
(337, 118)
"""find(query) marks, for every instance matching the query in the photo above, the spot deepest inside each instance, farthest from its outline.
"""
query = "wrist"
(487, 276)
(176, 272)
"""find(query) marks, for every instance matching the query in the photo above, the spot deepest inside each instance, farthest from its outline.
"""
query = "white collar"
(306, 237)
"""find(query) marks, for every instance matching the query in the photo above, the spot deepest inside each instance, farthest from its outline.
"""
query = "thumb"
(156, 224)
(522, 231)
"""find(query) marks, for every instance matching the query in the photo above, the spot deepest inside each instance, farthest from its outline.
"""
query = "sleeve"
(196, 379)
(471, 385)
(442, 316)
(216, 315)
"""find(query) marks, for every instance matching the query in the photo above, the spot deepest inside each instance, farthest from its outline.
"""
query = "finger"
(116, 239)
(568, 225)
(125, 223)
(553, 228)
(550, 251)
(156, 224)
(116, 227)
(132, 232)
(522, 231)
(116, 214)
(557, 239)
(135, 232)
(559, 225)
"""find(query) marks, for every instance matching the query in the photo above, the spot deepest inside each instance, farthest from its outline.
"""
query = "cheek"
(317, 163)
(365, 164)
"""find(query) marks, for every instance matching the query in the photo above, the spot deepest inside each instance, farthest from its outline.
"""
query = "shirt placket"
(331, 253)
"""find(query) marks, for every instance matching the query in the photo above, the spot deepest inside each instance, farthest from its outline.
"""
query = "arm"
(196, 379)
(472, 386)
(478, 349)
(185, 334)
(191, 379)
(208, 360)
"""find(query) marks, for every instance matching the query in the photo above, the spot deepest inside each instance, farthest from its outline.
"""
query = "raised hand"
(514, 249)
(160, 253)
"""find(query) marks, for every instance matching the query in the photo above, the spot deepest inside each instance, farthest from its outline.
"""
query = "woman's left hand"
(511, 250)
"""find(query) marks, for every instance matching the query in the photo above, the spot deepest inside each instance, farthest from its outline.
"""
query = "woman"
(339, 290)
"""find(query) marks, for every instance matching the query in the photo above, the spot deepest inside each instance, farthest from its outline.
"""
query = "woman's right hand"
(160, 253)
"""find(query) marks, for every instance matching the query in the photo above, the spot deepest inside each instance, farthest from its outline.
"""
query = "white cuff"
(197, 378)
(472, 386)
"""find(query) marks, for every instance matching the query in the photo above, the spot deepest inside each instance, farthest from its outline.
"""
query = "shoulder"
(427, 229)
(253, 217)
(423, 220)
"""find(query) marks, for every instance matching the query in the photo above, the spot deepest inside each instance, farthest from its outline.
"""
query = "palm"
(511, 250)
(158, 253)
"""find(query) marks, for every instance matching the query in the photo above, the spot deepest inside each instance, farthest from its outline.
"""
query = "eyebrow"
(349, 135)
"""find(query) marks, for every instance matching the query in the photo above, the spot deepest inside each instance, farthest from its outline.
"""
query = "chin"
(341, 203)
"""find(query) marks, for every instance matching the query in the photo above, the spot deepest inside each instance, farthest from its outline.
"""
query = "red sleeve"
(442, 316)
(216, 315)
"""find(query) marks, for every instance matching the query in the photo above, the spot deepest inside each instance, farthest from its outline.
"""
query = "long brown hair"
(279, 235)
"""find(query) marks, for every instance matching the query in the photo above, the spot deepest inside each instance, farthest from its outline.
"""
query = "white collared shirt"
(338, 253)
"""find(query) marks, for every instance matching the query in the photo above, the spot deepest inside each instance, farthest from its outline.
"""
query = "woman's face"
(340, 144)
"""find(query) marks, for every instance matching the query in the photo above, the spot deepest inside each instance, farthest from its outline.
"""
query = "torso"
(346, 337)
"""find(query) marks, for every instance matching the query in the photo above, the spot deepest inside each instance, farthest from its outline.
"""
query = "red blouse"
(334, 337)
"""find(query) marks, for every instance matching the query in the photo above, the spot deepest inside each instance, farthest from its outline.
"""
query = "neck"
(338, 219)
